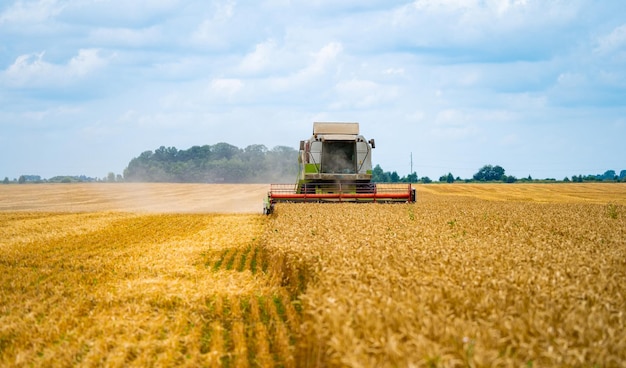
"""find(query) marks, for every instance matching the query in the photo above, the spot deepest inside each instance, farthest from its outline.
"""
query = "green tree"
(509, 178)
(448, 178)
(221, 162)
(412, 177)
(6, 180)
(394, 177)
(378, 175)
(489, 173)
(224, 151)
(610, 175)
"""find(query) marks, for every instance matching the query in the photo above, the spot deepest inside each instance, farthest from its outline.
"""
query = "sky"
(535, 86)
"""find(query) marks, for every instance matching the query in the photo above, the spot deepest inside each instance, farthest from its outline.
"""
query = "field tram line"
(252, 258)
(249, 331)
(255, 330)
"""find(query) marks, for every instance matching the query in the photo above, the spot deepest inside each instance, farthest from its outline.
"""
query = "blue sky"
(536, 86)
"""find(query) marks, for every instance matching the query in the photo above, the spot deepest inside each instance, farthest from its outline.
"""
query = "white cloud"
(117, 13)
(31, 11)
(452, 130)
(525, 101)
(571, 80)
(27, 67)
(322, 59)
(261, 58)
(481, 23)
(444, 5)
(614, 42)
(320, 62)
(56, 112)
(87, 61)
(393, 71)
(126, 36)
(459, 124)
(212, 30)
(362, 94)
(226, 86)
(31, 70)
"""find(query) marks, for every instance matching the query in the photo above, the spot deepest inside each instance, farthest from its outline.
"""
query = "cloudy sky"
(536, 86)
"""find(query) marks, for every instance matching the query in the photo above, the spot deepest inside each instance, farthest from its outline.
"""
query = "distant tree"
(255, 153)
(426, 180)
(622, 175)
(609, 175)
(224, 151)
(411, 178)
(394, 177)
(566, 180)
(380, 176)
(447, 178)
(221, 162)
(165, 154)
(489, 173)
(111, 177)
(377, 174)
(119, 178)
(6, 180)
(509, 179)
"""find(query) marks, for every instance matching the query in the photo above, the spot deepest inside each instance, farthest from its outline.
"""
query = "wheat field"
(194, 275)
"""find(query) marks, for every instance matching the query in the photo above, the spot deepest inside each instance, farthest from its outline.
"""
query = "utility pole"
(411, 163)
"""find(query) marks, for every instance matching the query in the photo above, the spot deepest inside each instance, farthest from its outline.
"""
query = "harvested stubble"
(456, 281)
(119, 289)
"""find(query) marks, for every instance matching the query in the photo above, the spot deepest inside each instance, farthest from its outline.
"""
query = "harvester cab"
(335, 165)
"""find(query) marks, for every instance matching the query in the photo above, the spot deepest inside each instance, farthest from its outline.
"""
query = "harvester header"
(335, 165)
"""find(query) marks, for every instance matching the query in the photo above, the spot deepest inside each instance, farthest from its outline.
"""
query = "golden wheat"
(455, 281)
(491, 275)
(120, 289)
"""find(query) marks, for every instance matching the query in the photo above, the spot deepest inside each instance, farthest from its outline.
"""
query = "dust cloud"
(134, 197)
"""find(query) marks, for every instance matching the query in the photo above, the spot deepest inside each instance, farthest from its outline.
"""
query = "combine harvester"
(336, 166)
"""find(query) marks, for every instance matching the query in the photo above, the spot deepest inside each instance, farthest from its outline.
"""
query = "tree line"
(490, 173)
(256, 163)
(221, 162)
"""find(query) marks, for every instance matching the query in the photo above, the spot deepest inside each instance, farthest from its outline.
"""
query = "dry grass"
(490, 275)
